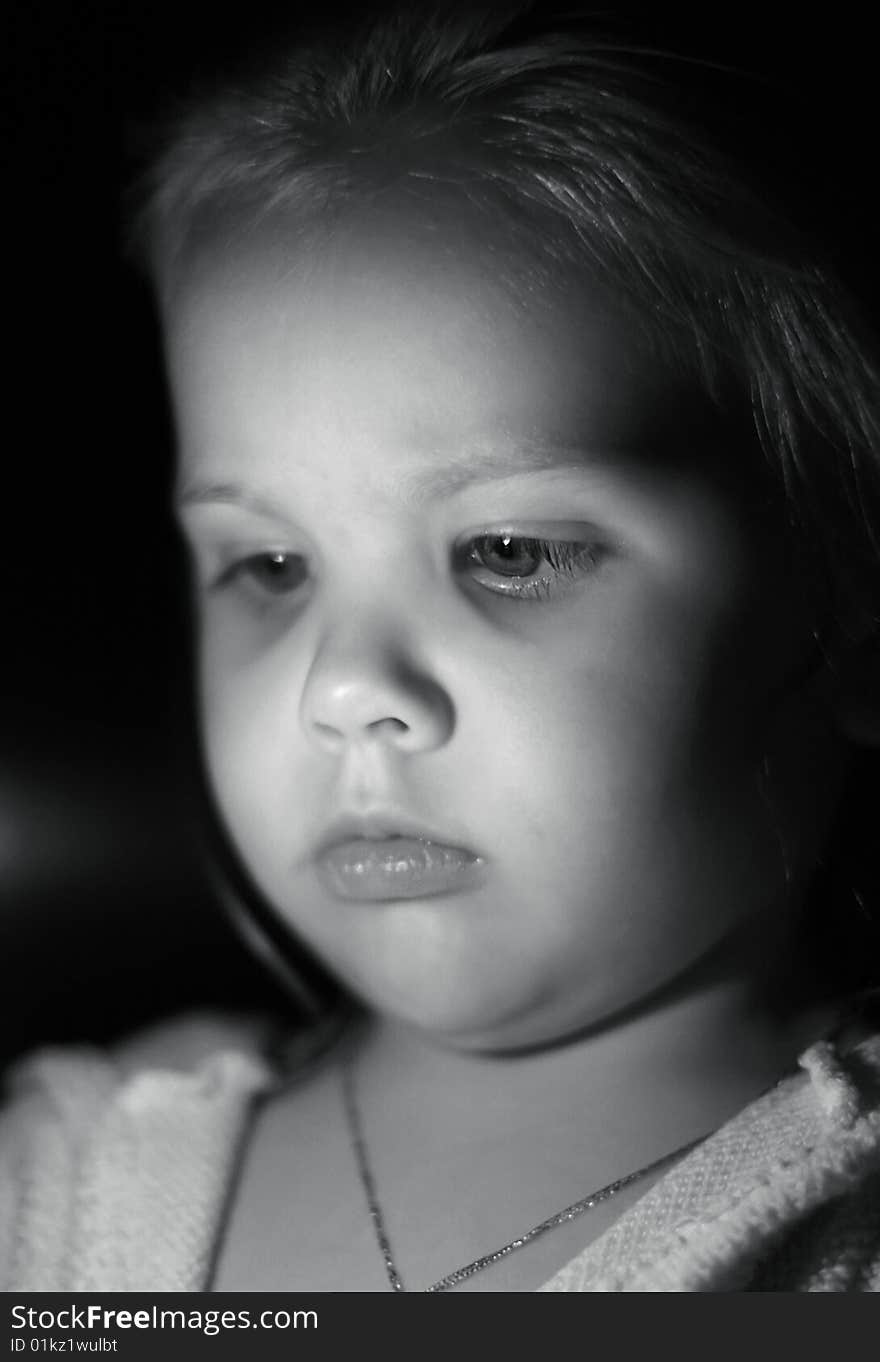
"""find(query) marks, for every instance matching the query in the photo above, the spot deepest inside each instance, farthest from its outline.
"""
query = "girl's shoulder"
(199, 1051)
(114, 1163)
(784, 1197)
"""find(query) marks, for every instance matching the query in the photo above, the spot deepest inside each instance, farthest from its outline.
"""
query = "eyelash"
(566, 561)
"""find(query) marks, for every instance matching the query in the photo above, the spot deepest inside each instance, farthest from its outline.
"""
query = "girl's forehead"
(425, 332)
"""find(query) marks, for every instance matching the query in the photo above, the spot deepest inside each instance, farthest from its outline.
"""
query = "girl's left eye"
(524, 566)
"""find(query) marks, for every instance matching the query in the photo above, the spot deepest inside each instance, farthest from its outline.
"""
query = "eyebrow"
(420, 484)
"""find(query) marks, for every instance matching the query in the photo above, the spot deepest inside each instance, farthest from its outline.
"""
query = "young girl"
(528, 462)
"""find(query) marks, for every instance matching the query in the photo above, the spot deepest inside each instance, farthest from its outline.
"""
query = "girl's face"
(489, 668)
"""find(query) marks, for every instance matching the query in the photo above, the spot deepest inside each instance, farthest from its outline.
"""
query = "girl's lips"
(396, 867)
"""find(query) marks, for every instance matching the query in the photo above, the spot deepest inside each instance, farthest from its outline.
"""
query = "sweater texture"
(116, 1169)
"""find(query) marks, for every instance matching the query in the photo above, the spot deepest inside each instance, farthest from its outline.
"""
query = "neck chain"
(452, 1279)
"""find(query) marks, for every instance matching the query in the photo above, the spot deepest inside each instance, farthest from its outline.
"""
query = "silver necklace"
(461, 1274)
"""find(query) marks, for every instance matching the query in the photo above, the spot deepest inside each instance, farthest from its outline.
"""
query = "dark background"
(107, 915)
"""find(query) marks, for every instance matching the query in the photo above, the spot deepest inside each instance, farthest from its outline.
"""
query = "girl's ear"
(855, 697)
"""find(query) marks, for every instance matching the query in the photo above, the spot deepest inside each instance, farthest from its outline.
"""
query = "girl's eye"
(526, 567)
(276, 573)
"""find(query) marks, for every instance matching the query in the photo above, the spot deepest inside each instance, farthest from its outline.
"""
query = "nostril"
(387, 727)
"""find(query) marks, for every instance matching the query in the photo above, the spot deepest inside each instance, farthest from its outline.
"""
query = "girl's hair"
(597, 153)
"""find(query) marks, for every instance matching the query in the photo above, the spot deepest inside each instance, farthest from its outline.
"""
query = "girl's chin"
(457, 1022)
(472, 1024)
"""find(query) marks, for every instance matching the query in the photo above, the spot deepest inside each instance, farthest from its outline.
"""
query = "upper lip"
(377, 826)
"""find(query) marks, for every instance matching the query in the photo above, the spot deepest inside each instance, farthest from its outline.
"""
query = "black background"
(107, 915)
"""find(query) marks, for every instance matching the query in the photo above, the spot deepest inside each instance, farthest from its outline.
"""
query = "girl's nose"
(360, 690)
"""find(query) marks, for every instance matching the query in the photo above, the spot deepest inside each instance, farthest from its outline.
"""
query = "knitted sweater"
(115, 1171)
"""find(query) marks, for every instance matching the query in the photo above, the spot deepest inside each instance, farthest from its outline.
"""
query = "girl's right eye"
(275, 573)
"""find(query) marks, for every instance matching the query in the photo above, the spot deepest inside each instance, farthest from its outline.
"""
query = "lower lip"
(393, 868)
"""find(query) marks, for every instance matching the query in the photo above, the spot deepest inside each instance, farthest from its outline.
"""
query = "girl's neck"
(708, 1046)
